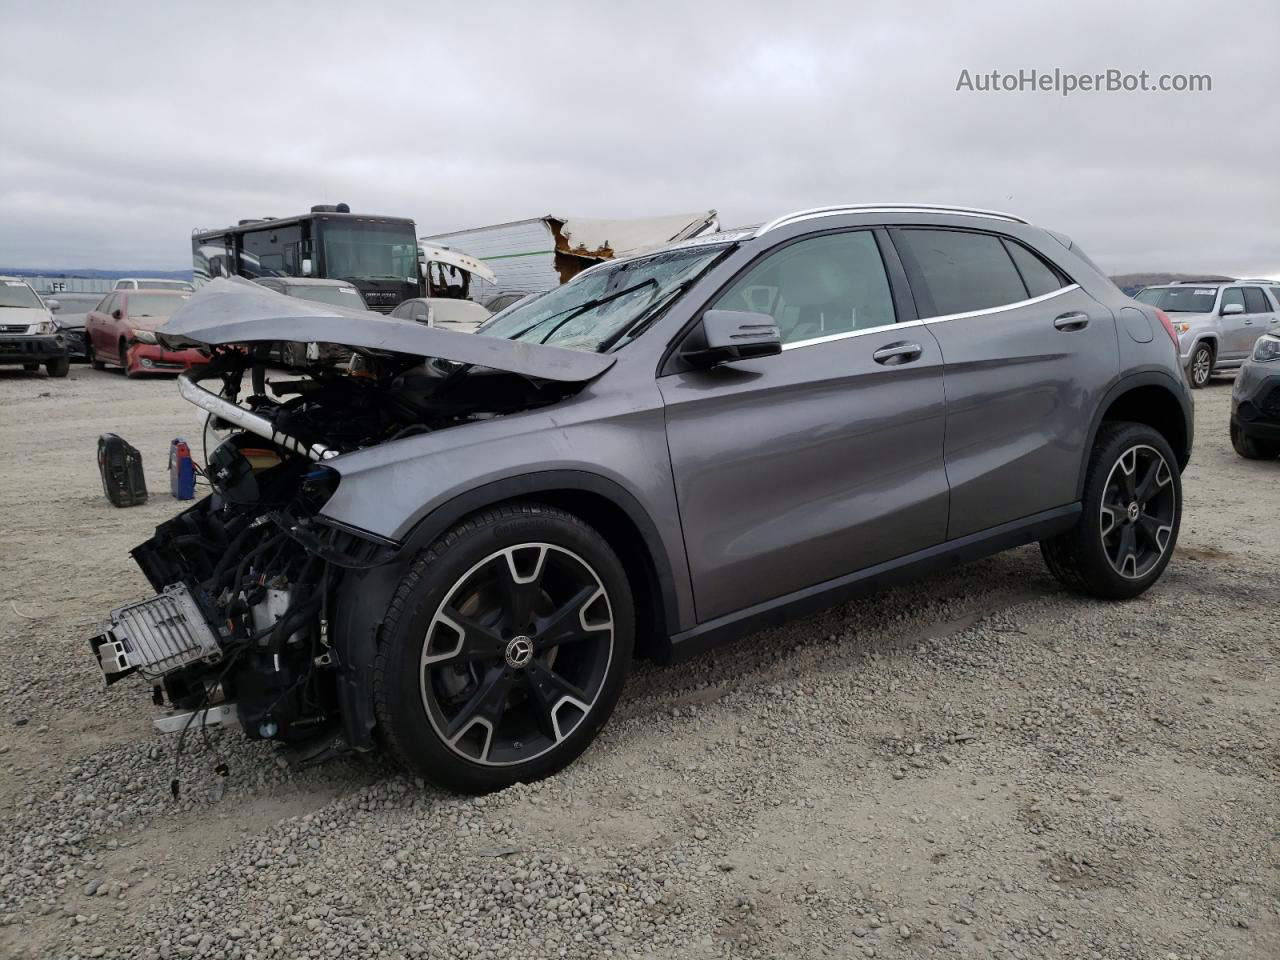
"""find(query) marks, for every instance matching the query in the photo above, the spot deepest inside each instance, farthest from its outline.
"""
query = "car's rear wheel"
(92, 356)
(505, 649)
(1201, 365)
(1132, 509)
(58, 367)
(1252, 448)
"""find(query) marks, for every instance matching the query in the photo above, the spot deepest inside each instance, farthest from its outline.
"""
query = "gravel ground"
(980, 765)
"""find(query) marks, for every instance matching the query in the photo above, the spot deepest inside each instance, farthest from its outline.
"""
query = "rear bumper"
(147, 358)
(32, 349)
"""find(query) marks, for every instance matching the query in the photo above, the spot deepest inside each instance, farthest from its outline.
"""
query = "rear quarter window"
(1040, 278)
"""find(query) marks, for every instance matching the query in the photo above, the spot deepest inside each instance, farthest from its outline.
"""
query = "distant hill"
(1131, 283)
(95, 274)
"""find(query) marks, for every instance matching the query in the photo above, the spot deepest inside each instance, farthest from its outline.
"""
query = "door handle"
(897, 353)
(1071, 321)
(1248, 323)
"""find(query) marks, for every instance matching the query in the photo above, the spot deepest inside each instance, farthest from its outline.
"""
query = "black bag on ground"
(121, 467)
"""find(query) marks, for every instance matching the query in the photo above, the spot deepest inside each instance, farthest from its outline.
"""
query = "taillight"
(1168, 328)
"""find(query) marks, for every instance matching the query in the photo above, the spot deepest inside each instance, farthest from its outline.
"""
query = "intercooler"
(155, 636)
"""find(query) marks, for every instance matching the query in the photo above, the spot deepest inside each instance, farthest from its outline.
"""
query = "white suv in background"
(1217, 323)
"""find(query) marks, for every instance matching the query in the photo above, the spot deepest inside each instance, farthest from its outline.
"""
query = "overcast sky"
(128, 124)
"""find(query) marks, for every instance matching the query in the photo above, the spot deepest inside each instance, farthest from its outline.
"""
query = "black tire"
(58, 367)
(1200, 370)
(466, 713)
(91, 356)
(1253, 448)
(31, 367)
(1085, 557)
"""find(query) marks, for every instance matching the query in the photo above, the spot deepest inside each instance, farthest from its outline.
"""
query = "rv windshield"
(588, 311)
(384, 251)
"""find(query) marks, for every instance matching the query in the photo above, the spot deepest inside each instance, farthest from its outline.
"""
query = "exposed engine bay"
(249, 578)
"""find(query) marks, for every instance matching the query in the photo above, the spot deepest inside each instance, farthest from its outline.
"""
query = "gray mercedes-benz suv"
(454, 544)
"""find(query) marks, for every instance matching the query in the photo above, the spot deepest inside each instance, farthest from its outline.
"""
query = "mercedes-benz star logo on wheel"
(519, 651)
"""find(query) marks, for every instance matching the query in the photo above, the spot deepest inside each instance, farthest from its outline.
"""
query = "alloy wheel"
(516, 654)
(1138, 510)
(1202, 367)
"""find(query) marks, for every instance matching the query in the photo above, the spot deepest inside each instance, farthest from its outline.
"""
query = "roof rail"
(839, 209)
(1194, 283)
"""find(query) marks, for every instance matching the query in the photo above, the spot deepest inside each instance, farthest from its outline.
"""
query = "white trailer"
(530, 256)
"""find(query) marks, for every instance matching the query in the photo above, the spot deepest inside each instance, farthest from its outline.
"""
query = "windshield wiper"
(648, 316)
(579, 310)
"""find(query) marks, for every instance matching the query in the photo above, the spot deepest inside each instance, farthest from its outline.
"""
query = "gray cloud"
(127, 126)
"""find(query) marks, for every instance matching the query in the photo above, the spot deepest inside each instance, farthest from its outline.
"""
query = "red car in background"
(121, 330)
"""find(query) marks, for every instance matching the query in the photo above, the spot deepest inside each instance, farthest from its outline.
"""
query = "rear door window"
(1255, 301)
(960, 271)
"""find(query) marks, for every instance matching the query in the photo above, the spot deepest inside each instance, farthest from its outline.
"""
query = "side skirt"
(811, 600)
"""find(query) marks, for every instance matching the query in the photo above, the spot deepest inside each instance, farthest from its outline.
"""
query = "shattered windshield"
(592, 310)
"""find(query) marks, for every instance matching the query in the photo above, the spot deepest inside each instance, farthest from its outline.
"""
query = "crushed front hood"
(235, 310)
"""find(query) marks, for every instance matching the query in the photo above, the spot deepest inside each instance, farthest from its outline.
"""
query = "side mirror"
(426, 316)
(116, 314)
(53, 305)
(1231, 309)
(735, 335)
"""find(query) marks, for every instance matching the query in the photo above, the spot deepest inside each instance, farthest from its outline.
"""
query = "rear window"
(962, 271)
(154, 304)
(1188, 299)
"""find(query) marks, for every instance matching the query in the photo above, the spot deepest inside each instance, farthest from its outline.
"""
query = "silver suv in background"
(456, 549)
(1217, 323)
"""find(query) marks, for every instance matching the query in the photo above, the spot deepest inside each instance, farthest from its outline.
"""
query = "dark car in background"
(1255, 402)
(121, 331)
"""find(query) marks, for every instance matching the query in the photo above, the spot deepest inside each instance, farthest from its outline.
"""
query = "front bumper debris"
(155, 637)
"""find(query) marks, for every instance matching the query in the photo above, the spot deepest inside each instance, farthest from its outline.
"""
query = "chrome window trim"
(829, 338)
(813, 341)
(1006, 306)
(813, 213)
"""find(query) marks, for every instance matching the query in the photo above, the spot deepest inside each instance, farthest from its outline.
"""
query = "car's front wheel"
(1201, 365)
(92, 356)
(1132, 508)
(58, 367)
(505, 649)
